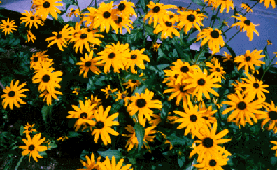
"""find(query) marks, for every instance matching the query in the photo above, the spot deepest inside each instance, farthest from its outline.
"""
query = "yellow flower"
(122, 22)
(108, 91)
(49, 95)
(29, 129)
(246, 6)
(8, 26)
(76, 90)
(246, 25)
(136, 58)
(155, 46)
(88, 63)
(33, 146)
(73, 12)
(269, 42)
(213, 37)
(30, 19)
(13, 95)
(224, 4)
(44, 7)
(216, 69)
(107, 165)
(91, 164)
(103, 125)
(30, 36)
(62, 138)
(125, 8)
(266, 3)
(167, 28)
(269, 117)
(132, 84)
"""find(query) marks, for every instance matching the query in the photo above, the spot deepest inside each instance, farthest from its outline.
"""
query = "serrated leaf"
(181, 161)
(110, 153)
(140, 131)
(72, 134)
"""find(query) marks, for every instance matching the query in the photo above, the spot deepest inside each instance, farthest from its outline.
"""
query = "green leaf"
(45, 111)
(161, 67)
(181, 161)
(273, 160)
(175, 54)
(199, 2)
(181, 53)
(230, 50)
(115, 38)
(140, 131)
(139, 90)
(52, 145)
(73, 134)
(21, 130)
(110, 153)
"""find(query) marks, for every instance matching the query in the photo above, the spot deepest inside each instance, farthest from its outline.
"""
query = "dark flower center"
(46, 4)
(191, 18)
(7, 26)
(109, 91)
(176, 76)
(134, 81)
(46, 78)
(243, 88)
(88, 64)
(29, 129)
(272, 115)
(133, 56)
(32, 18)
(83, 115)
(59, 36)
(111, 55)
(170, 16)
(35, 59)
(184, 69)
(123, 96)
(31, 147)
(247, 22)
(208, 142)
(11, 94)
(121, 6)
(241, 105)
(256, 85)
(156, 9)
(217, 69)
(119, 20)
(99, 125)
(140, 103)
(168, 24)
(247, 59)
(212, 162)
(107, 14)
(193, 118)
(83, 36)
(182, 89)
(215, 34)
(201, 82)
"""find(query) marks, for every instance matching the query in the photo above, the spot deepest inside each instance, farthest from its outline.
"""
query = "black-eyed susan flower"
(213, 37)
(76, 90)
(269, 117)
(123, 96)
(108, 91)
(60, 38)
(8, 26)
(167, 29)
(30, 36)
(149, 136)
(246, 6)
(29, 128)
(108, 165)
(157, 12)
(203, 84)
(82, 37)
(249, 60)
(38, 58)
(85, 119)
(47, 78)
(208, 115)
(114, 55)
(88, 63)
(189, 19)
(88, 18)
(224, 4)
(33, 146)
(91, 163)
(83, 111)
(30, 19)
(266, 3)
(179, 92)
(243, 108)
(125, 8)
(208, 143)
(75, 12)
(62, 138)
(246, 25)
(142, 103)
(103, 125)
(94, 101)
(268, 42)
(227, 57)
(215, 161)
(103, 17)
(132, 84)
(48, 95)
(45, 7)
(216, 68)
(155, 46)
(136, 58)
(254, 87)
(122, 22)
(274, 147)
(191, 118)
(13, 95)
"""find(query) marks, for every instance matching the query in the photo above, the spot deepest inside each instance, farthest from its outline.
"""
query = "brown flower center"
(99, 125)
(35, 59)
(214, 34)
(111, 55)
(46, 4)
(46, 78)
(193, 118)
(88, 64)
(247, 22)
(241, 105)
(212, 162)
(133, 56)
(208, 142)
(201, 82)
(83, 36)
(191, 18)
(168, 24)
(272, 115)
(83, 115)
(256, 85)
(107, 14)
(121, 6)
(156, 9)
(184, 69)
(140, 103)
(31, 147)
(11, 94)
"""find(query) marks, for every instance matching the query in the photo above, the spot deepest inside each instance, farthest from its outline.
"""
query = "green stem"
(120, 82)
(215, 15)
(19, 162)
(200, 52)
(267, 68)
(231, 38)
